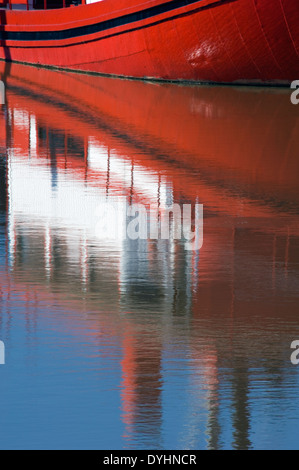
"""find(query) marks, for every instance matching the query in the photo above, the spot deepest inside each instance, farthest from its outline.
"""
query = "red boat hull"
(221, 41)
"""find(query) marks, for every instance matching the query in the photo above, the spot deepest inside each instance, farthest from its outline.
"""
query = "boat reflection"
(74, 143)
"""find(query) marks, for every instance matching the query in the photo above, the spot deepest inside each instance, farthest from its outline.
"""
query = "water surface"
(121, 344)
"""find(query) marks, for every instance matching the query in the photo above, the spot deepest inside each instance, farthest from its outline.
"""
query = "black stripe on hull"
(95, 28)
